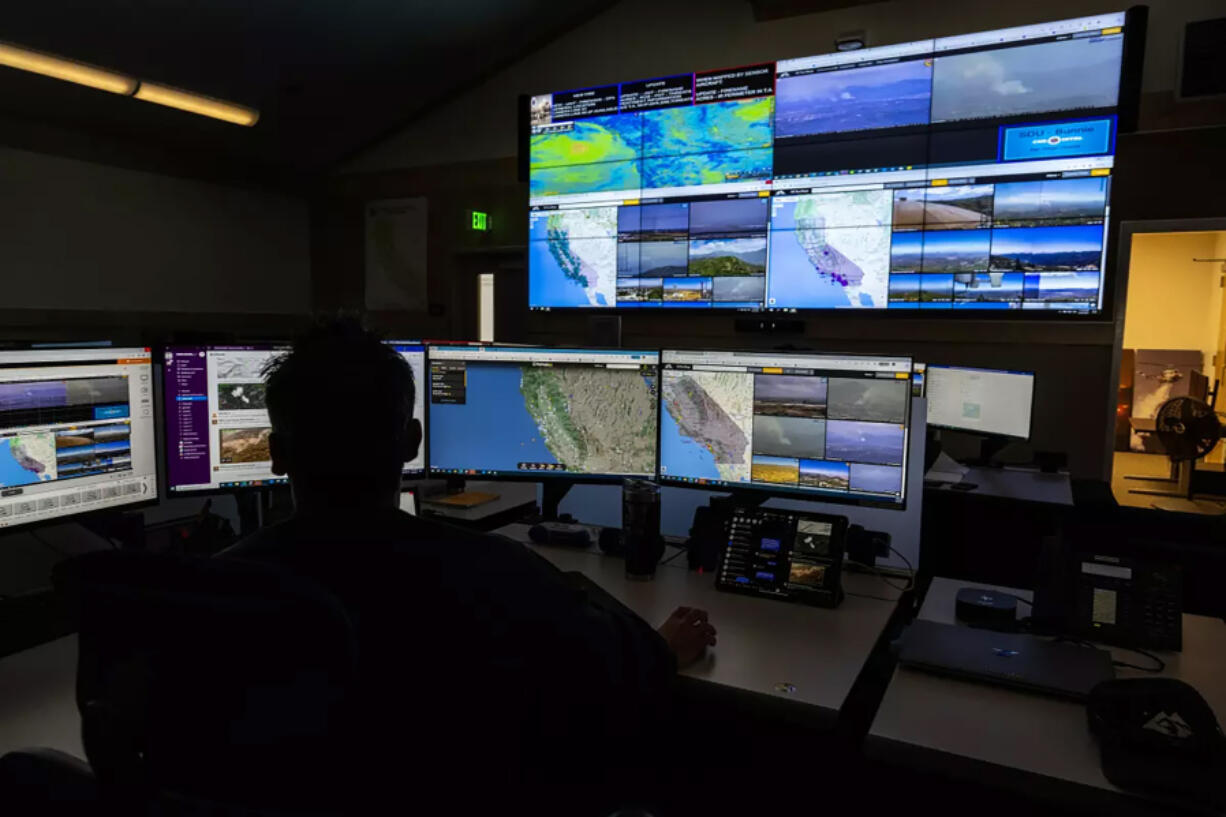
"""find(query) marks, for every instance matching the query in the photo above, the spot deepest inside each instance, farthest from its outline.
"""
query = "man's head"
(341, 405)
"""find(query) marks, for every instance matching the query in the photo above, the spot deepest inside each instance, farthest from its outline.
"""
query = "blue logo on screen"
(770, 544)
(110, 412)
(1053, 140)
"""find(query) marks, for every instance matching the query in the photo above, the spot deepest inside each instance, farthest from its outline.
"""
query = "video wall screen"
(961, 173)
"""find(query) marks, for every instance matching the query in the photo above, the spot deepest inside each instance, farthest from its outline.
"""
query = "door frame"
(1124, 255)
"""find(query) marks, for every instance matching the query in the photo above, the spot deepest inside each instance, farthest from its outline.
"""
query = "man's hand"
(688, 634)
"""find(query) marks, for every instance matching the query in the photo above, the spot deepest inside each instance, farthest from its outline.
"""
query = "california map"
(577, 252)
(839, 240)
(27, 458)
(599, 421)
(714, 409)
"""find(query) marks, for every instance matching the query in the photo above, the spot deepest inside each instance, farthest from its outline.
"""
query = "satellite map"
(831, 250)
(574, 258)
(597, 154)
(708, 144)
(240, 396)
(709, 415)
(241, 365)
(244, 444)
(600, 421)
(27, 458)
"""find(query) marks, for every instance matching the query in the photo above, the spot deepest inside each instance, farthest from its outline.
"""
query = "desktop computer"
(981, 401)
(217, 425)
(827, 427)
(76, 432)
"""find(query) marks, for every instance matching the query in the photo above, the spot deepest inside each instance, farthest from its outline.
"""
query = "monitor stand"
(740, 498)
(552, 494)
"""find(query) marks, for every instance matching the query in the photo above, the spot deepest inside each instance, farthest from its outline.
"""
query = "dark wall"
(1161, 175)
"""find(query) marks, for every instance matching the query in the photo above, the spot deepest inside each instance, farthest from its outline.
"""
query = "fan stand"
(1179, 483)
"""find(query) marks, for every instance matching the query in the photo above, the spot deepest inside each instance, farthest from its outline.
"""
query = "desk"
(512, 496)
(762, 643)
(38, 705)
(1017, 740)
(1014, 483)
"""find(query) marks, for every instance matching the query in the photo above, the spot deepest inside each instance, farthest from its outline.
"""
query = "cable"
(870, 596)
(674, 556)
(1160, 664)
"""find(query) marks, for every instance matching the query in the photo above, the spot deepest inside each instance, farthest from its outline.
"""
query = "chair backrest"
(212, 679)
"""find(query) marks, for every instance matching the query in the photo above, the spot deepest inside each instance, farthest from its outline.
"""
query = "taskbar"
(773, 487)
(533, 470)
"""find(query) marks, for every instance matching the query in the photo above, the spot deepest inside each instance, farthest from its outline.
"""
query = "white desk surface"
(950, 725)
(38, 705)
(762, 643)
(1017, 483)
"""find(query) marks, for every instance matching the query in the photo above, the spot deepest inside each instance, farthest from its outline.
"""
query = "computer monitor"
(983, 401)
(541, 413)
(918, 371)
(827, 426)
(217, 426)
(76, 432)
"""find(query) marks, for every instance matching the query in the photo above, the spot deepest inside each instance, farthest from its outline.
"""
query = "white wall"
(1174, 302)
(647, 38)
(78, 235)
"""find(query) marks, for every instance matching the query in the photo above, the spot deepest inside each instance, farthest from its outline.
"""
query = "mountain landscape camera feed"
(739, 290)
(1061, 287)
(883, 401)
(855, 441)
(958, 208)
(824, 474)
(1048, 249)
(777, 470)
(1064, 75)
(661, 259)
(876, 479)
(789, 436)
(785, 395)
(728, 256)
(1055, 202)
(906, 252)
(807, 575)
(728, 217)
(905, 289)
(937, 288)
(957, 250)
(880, 96)
(244, 444)
(240, 396)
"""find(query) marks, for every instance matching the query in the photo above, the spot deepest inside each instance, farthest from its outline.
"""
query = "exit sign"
(480, 221)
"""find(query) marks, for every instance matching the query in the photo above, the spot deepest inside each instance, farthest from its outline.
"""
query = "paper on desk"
(945, 469)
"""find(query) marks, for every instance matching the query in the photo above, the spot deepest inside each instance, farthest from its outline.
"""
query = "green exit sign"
(480, 221)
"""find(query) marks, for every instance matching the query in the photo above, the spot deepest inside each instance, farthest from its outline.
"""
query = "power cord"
(1159, 664)
(886, 578)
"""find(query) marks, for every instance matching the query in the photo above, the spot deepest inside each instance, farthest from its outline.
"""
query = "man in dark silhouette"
(486, 675)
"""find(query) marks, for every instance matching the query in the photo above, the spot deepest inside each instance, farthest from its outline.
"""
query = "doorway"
(1170, 342)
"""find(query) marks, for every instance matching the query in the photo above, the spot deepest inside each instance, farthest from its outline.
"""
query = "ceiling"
(328, 76)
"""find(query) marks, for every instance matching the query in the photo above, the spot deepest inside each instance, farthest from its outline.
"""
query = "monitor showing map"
(834, 426)
(217, 425)
(963, 174)
(982, 401)
(583, 414)
(76, 432)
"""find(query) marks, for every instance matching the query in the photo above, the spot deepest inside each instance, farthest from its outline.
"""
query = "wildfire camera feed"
(550, 413)
(838, 433)
(962, 173)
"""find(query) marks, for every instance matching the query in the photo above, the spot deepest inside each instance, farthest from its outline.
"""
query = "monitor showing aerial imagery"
(834, 426)
(961, 173)
(587, 414)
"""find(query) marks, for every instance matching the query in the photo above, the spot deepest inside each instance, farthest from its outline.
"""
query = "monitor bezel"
(547, 476)
(158, 463)
(780, 492)
(976, 432)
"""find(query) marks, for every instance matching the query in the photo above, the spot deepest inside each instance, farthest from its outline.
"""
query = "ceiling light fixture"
(195, 103)
(48, 65)
(78, 72)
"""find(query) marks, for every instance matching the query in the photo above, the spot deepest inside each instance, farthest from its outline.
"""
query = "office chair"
(212, 685)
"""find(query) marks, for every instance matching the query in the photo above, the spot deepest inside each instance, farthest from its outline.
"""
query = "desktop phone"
(789, 555)
(1130, 597)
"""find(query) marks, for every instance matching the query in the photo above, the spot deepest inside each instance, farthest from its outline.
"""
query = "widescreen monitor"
(217, 425)
(538, 413)
(830, 427)
(983, 401)
(76, 432)
(959, 174)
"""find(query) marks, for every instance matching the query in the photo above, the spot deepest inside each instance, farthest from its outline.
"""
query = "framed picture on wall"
(1157, 376)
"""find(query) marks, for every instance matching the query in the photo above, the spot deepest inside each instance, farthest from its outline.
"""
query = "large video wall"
(962, 173)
